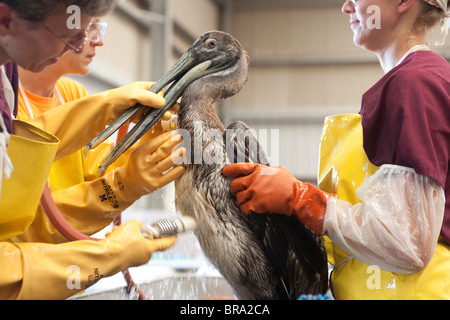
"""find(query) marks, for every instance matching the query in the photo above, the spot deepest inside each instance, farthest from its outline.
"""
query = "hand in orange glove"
(262, 189)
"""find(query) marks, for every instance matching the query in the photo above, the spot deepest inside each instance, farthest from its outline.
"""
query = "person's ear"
(405, 5)
(6, 14)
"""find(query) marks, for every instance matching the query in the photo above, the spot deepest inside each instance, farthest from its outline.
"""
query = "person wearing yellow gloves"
(34, 34)
(384, 177)
(76, 186)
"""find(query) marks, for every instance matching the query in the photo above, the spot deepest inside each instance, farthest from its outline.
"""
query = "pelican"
(261, 256)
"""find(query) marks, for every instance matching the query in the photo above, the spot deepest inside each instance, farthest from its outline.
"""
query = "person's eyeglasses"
(97, 32)
(76, 44)
(353, 2)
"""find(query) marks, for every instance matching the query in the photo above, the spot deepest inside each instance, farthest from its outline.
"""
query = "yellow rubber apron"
(67, 171)
(343, 167)
(32, 152)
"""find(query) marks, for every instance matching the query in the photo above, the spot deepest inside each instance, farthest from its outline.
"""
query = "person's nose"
(348, 7)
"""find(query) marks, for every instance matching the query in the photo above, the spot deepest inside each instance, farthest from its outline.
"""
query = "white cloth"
(443, 26)
(6, 166)
(397, 224)
(444, 23)
(441, 4)
(413, 49)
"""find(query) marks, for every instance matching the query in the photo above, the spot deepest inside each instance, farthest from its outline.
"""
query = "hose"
(72, 234)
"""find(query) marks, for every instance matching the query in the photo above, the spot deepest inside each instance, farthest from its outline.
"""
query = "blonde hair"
(429, 18)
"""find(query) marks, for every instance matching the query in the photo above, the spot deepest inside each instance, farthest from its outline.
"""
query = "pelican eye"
(211, 44)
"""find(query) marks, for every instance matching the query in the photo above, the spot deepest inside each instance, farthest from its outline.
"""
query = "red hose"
(57, 219)
(72, 234)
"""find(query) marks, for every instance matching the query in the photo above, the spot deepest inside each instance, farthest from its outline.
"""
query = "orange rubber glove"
(262, 189)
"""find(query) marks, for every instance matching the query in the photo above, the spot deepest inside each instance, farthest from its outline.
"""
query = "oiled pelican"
(261, 256)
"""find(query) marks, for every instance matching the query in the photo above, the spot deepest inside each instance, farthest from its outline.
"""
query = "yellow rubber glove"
(77, 122)
(84, 204)
(98, 155)
(147, 169)
(151, 166)
(47, 271)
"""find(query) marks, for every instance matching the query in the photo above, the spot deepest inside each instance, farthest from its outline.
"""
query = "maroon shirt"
(13, 76)
(406, 120)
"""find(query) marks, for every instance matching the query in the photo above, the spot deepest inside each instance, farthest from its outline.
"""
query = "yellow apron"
(32, 152)
(343, 167)
(66, 172)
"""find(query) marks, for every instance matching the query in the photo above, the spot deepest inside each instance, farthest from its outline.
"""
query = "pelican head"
(228, 79)
(215, 54)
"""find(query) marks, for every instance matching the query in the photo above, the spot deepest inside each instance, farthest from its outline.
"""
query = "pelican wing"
(296, 254)
(242, 145)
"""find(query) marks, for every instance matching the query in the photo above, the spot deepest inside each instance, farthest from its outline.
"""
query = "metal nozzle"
(168, 228)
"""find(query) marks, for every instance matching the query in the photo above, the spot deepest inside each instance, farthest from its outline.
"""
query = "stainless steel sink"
(177, 287)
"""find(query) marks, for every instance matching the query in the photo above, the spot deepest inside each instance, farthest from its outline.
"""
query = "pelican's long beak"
(183, 73)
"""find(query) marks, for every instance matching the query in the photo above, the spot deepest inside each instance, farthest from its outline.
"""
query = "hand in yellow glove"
(46, 271)
(151, 166)
(117, 101)
(167, 123)
(147, 169)
(262, 189)
(93, 204)
(77, 122)
(95, 157)
(169, 120)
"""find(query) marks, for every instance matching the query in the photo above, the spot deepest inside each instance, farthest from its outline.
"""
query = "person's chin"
(36, 68)
(84, 73)
(359, 41)
(41, 66)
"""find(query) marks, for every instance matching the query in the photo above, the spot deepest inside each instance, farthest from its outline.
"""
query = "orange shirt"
(69, 89)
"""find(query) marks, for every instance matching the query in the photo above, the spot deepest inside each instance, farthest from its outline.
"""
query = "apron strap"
(6, 166)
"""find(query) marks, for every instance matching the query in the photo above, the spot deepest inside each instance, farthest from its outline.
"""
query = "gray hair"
(38, 10)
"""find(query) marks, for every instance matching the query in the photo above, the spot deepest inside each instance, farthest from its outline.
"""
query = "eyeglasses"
(78, 41)
(97, 31)
(353, 2)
